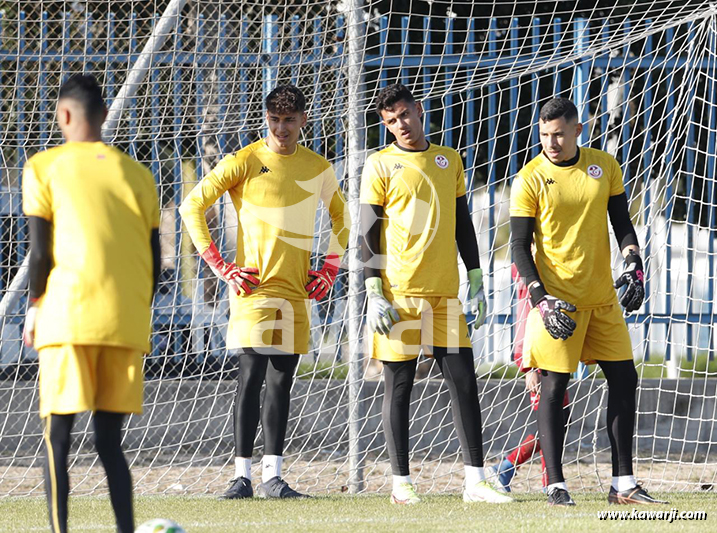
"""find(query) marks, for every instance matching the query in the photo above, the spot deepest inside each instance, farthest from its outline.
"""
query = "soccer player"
(93, 214)
(561, 200)
(275, 185)
(503, 474)
(413, 213)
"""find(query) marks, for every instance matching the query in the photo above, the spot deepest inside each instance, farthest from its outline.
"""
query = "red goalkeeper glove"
(238, 278)
(320, 286)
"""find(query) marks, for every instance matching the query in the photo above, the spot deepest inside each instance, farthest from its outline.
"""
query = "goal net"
(643, 75)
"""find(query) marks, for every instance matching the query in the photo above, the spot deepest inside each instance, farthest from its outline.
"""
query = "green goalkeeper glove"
(476, 296)
(381, 315)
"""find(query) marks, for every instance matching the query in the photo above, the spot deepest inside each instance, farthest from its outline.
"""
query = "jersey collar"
(568, 163)
(408, 151)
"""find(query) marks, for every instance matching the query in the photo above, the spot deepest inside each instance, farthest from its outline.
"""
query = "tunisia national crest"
(594, 171)
(441, 161)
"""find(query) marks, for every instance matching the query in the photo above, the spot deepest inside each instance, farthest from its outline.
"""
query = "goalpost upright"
(164, 29)
(356, 296)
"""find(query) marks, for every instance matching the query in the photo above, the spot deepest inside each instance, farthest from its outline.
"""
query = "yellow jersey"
(569, 205)
(418, 192)
(276, 197)
(102, 205)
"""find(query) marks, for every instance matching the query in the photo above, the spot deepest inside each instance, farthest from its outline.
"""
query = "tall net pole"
(356, 295)
(165, 27)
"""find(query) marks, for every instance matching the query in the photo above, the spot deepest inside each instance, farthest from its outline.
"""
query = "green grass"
(322, 370)
(699, 367)
(362, 513)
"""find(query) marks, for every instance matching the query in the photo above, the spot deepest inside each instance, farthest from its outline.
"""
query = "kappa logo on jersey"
(293, 219)
(398, 166)
(550, 181)
(441, 161)
(264, 170)
(594, 171)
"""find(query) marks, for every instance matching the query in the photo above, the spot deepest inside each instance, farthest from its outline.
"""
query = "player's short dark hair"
(392, 94)
(84, 89)
(558, 107)
(285, 100)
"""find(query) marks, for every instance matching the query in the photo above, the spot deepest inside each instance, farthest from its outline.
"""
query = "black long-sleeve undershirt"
(521, 237)
(371, 216)
(156, 259)
(466, 235)
(619, 213)
(40, 255)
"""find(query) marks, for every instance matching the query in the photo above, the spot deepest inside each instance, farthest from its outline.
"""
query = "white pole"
(16, 288)
(356, 147)
(166, 26)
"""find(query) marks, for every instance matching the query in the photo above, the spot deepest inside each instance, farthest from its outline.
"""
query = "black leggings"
(459, 374)
(621, 379)
(254, 368)
(108, 442)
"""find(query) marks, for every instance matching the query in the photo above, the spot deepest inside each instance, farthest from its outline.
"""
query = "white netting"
(643, 77)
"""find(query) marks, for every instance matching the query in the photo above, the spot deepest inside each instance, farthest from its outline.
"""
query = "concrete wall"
(675, 417)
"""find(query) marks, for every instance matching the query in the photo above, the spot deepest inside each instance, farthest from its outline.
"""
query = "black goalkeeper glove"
(631, 283)
(558, 324)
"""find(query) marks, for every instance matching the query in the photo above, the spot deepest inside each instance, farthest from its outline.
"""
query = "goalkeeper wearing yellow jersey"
(275, 185)
(94, 262)
(562, 200)
(413, 213)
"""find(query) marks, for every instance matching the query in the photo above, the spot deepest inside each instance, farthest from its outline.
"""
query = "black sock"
(275, 414)
(398, 380)
(551, 422)
(459, 373)
(622, 382)
(57, 483)
(108, 442)
(252, 371)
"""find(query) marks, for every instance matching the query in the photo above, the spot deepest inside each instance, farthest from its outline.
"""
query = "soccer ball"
(160, 525)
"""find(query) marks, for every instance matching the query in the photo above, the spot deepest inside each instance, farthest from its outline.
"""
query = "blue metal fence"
(655, 78)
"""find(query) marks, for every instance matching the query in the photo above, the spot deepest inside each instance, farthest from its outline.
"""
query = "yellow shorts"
(424, 322)
(77, 378)
(600, 335)
(269, 323)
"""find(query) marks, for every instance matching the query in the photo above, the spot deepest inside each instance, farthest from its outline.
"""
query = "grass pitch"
(372, 513)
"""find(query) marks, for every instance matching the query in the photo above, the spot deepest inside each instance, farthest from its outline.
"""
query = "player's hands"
(28, 333)
(631, 283)
(476, 296)
(558, 324)
(320, 286)
(532, 381)
(381, 316)
(238, 278)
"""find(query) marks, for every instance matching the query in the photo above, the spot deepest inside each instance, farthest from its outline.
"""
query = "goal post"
(187, 85)
(135, 77)
(356, 134)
